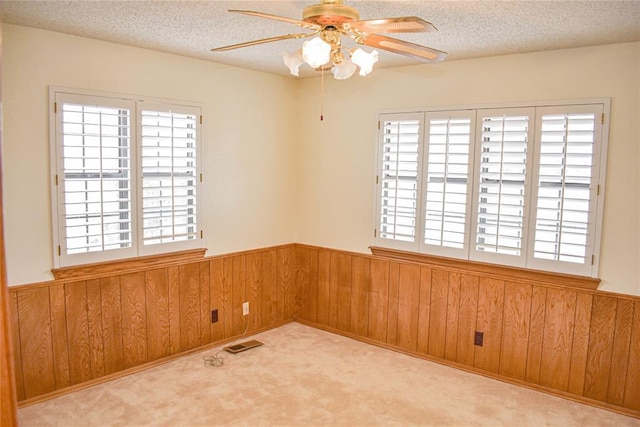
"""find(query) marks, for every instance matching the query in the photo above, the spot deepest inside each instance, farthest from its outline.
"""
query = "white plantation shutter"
(399, 178)
(520, 186)
(501, 197)
(568, 142)
(95, 209)
(169, 174)
(447, 177)
(127, 177)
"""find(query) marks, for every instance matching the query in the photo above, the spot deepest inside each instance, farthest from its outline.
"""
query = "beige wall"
(336, 167)
(287, 176)
(247, 139)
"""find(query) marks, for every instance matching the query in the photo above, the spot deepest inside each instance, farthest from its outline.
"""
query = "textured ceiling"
(467, 29)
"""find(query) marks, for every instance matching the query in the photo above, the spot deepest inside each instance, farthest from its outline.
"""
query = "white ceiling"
(467, 29)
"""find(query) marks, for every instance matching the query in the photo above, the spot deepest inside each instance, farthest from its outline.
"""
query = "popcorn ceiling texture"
(467, 29)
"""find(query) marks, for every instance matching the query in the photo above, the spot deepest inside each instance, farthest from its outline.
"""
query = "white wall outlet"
(245, 308)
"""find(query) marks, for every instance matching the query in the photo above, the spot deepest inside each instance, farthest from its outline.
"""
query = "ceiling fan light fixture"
(343, 70)
(364, 60)
(293, 61)
(316, 52)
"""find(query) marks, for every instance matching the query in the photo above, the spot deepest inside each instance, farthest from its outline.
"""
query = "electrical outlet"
(478, 339)
(245, 308)
(214, 316)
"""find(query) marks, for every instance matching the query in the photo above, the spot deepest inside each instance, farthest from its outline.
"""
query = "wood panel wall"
(577, 343)
(68, 333)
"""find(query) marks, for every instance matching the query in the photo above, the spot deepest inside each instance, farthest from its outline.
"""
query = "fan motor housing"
(329, 13)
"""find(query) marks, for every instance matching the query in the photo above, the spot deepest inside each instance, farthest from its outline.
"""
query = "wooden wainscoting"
(69, 333)
(577, 343)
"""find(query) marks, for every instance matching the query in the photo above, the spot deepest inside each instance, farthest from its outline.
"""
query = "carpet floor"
(303, 376)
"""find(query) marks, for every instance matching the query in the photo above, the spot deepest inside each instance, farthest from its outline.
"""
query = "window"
(126, 177)
(518, 186)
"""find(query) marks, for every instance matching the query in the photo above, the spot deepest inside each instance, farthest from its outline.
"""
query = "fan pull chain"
(322, 94)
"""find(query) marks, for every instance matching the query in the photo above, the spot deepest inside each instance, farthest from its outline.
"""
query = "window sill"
(500, 271)
(129, 265)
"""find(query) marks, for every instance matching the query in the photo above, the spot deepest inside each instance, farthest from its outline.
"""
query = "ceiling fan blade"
(261, 41)
(406, 24)
(297, 22)
(423, 53)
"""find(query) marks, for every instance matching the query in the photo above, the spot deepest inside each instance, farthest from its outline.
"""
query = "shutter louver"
(447, 178)
(169, 177)
(501, 198)
(97, 178)
(564, 188)
(399, 183)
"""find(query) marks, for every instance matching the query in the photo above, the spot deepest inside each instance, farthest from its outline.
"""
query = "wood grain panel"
(515, 330)
(632, 388)
(173, 277)
(408, 306)
(557, 339)
(536, 333)
(324, 287)
(216, 270)
(269, 312)
(453, 307)
(394, 295)
(77, 332)
(424, 311)
(438, 312)
(344, 292)
(286, 280)
(489, 321)
(620, 352)
(189, 306)
(378, 300)
(239, 290)
(254, 289)
(223, 280)
(467, 317)
(134, 321)
(307, 283)
(16, 341)
(313, 287)
(94, 318)
(59, 336)
(334, 279)
(205, 303)
(603, 318)
(361, 283)
(157, 308)
(580, 343)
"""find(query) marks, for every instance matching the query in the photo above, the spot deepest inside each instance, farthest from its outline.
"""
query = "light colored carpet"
(303, 376)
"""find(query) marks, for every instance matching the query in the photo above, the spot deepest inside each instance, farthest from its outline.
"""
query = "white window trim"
(598, 177)
(57, 209)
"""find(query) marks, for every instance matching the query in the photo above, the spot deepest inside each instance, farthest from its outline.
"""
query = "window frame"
(61, 259)
(589, 268)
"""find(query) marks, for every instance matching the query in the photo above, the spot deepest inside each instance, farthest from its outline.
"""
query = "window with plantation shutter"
(521, 185)
(126, 177)
(568, 144)
(447, 196)
(502, 172)
(169, 175)
(399, 179)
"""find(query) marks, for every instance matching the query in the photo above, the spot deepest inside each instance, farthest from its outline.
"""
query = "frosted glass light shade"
(344, 70)
(293, 61)
(316, 52)
(364, 60)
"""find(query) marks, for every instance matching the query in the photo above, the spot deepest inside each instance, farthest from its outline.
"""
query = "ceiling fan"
(328, 22)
